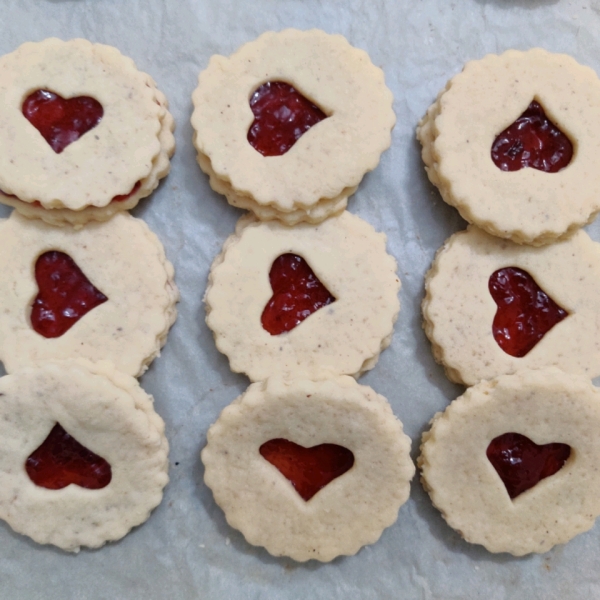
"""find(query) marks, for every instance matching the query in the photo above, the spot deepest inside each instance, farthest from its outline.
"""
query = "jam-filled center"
(525, 312)
(282, 115)
(308, 469)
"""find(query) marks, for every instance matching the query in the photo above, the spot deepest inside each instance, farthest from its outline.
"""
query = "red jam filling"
(281, 116)
(308, 469)
(124, 197)
(61, 121)
(65, 294)
(521, 463)
(297, 294)
(61, 460)
(532, 141)
(525, 312)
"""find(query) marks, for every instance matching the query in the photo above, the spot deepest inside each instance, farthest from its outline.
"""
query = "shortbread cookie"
(544, 407)
(67, 495)
(464, 124)
(60, 172)
(333, 499)
(348, 270)
(555, 288)
(311, 176)
(106, 292)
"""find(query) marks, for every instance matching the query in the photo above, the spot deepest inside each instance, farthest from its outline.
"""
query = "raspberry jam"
(297, 294)
(65, 294)
(525, 312)
(128, 195)
(532, 141)
(281, 116)
(308, 469)
(61, 460)
(61, 121)
(521, 463)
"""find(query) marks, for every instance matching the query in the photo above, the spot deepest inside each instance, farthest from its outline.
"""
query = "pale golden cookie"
(108, 413)
(459, 310)
(343, 338)
(350, 511)
(312, 179)
(546, 406)
(528, 206)
(122, 259)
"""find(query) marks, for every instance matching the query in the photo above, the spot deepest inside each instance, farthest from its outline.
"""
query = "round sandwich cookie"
(103, 292)
(512, 464)
(309, 470)
(288, 125)
(83, 454)
(314, 301)
(83, 133)
(512, 141)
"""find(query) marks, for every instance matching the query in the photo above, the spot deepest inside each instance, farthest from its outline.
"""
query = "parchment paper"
(186, 549)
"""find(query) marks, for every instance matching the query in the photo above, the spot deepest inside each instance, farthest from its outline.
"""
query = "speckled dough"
(329, 160)
(546, 406)
(109, 414)
(343, 338)
(122, 258)
(346, 514)
(457, 133)
(459, 310)
(89, 172)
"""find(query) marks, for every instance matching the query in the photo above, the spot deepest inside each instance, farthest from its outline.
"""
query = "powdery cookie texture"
(89, 179)
(546, 406)
(528, 206)
(313, 179)
(459, 310)
(350, 511)
(122, 259)
(343, 338)
(108, 413)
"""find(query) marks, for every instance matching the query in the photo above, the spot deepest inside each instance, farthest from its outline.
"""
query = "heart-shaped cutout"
(61, 121)
(297, 294)
(532, 141)
(522, 464)
(65, 294)
(525, 312)
(308, 469)
(61, 460)
(282, 115)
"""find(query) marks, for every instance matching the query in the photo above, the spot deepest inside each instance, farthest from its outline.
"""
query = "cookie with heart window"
(492, 306)
(69, 293)
(83, 133)
(512, 463)
(512, 141)
(313, 301)
(309, 470)
(83, 454)
(288, 125)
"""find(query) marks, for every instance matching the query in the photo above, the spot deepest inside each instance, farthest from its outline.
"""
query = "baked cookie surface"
(110, 415)
(548, 407)
(344, 337)
(527, 205)
(460, 313)
(122, 260)
(350, 511)
(312, 179)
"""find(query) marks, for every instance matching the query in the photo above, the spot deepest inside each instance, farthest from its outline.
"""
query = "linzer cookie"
(83, 455)
(495, 307)
(83, 133)
(512, 142)
(513, 463)
(103, 292)
(309, 470)
(314, 301)
(288, 125)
